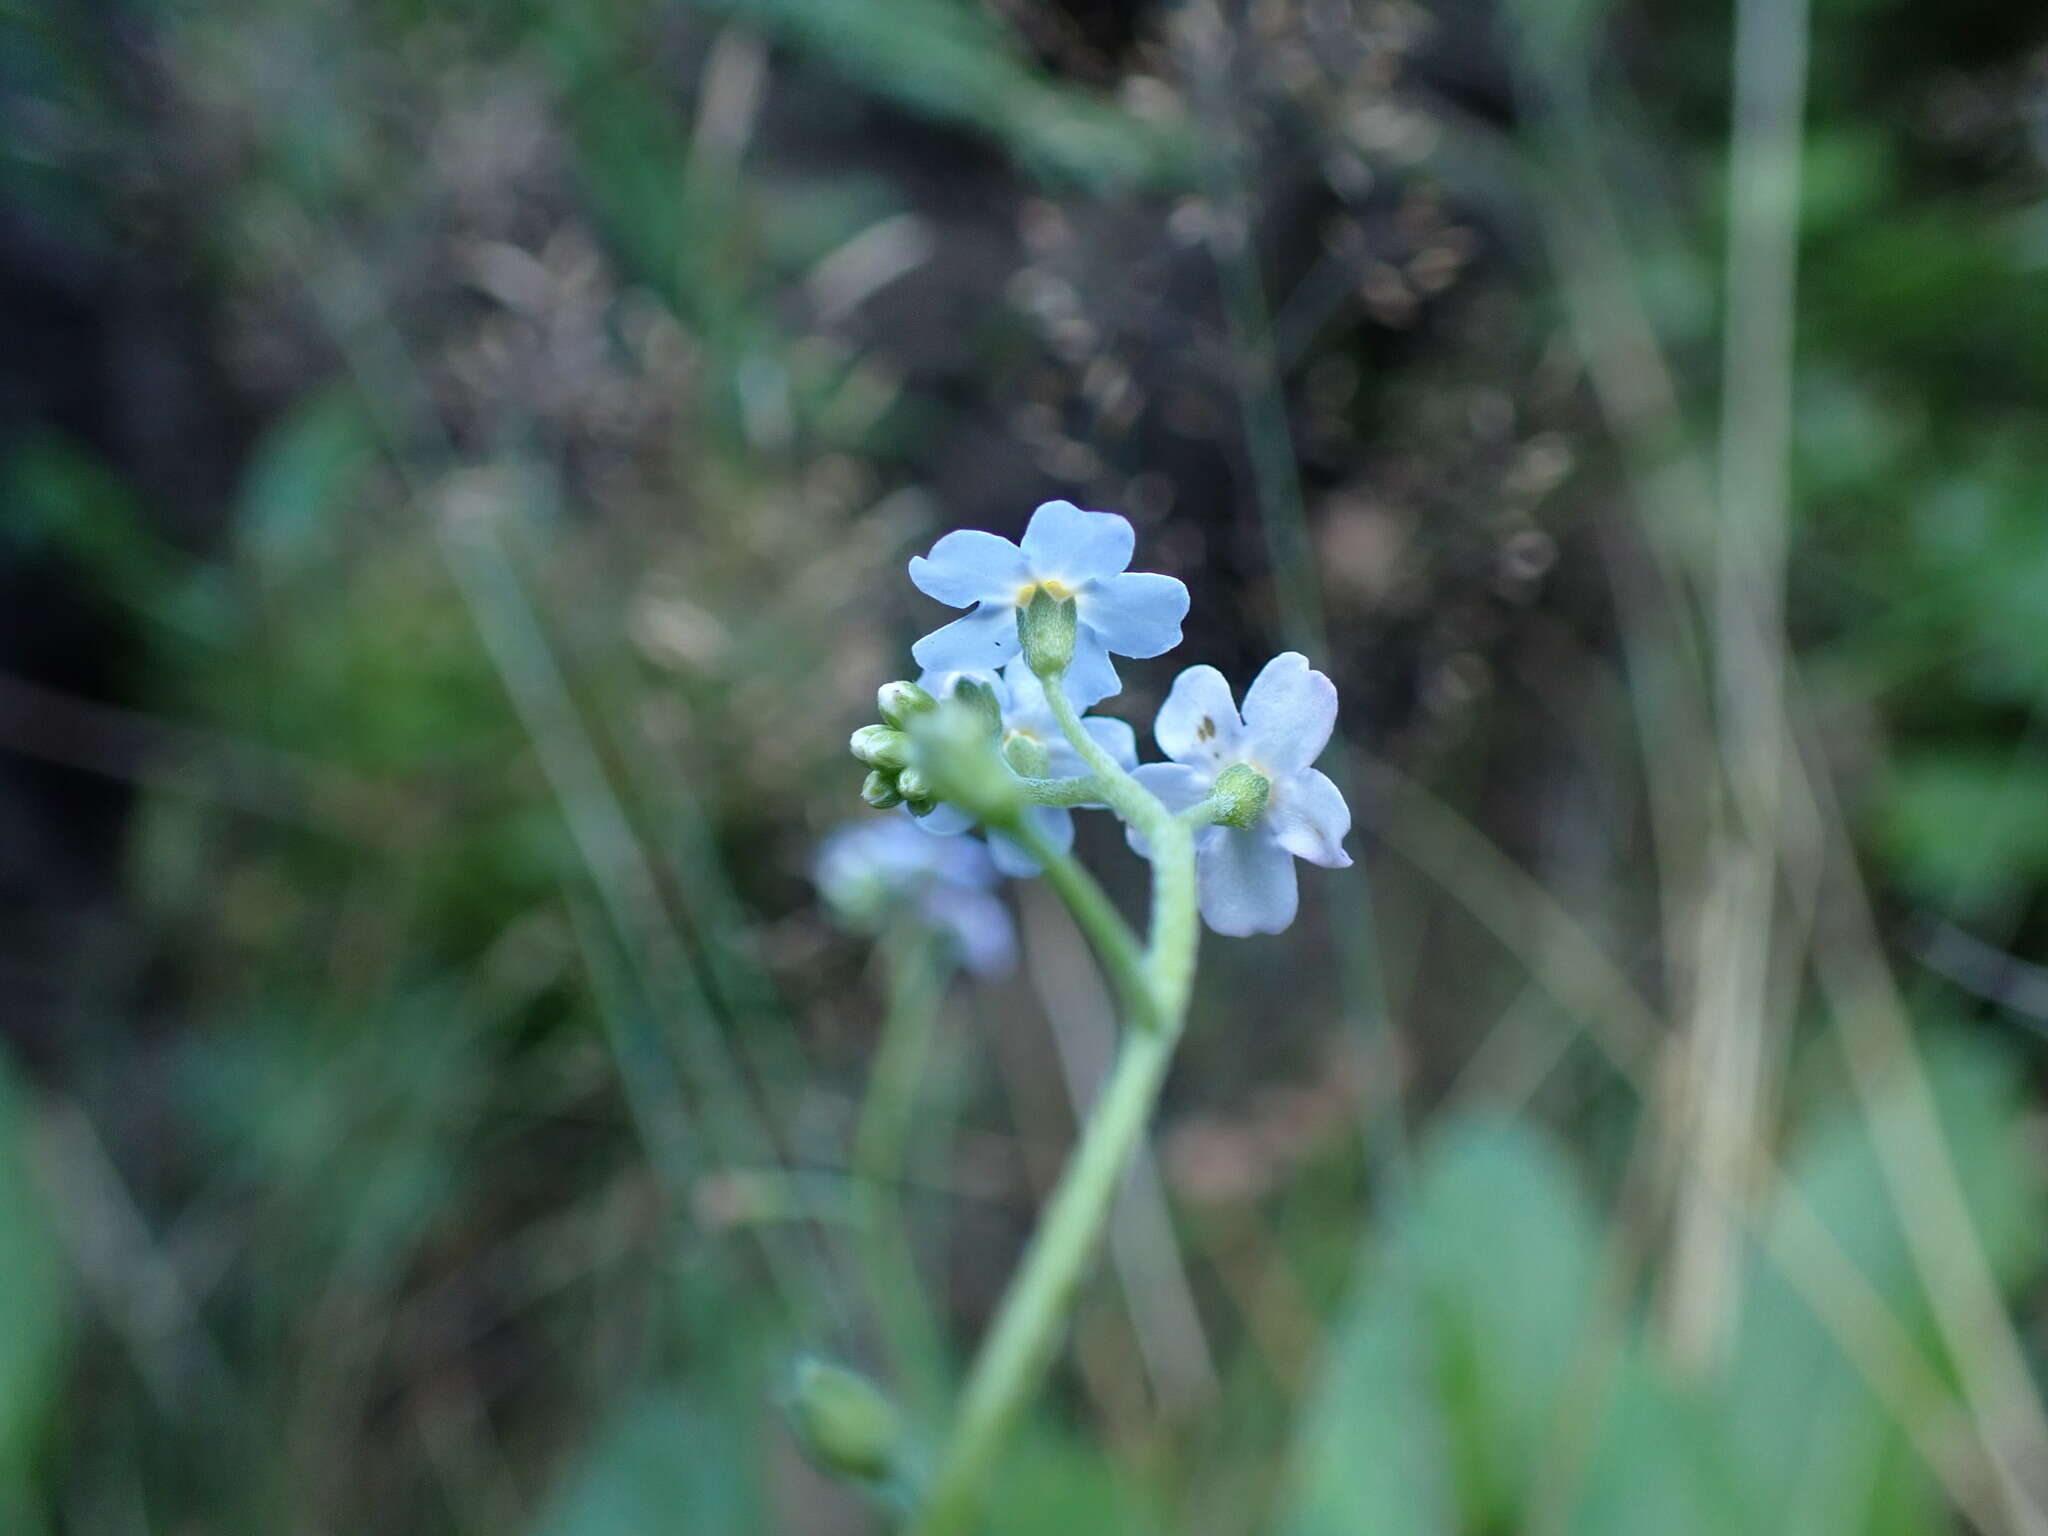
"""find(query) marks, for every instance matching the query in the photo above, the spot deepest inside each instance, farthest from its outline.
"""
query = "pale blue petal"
(1065, 544)
(1245, 883)
(980, 642)
(1137, 614)
(1024, 706)
(1055, 824)
(1114, 737)
(1090, 677)
(1198, 723)
(980, 924)
(1177, 787)
(940, 685)
(942, 820)
(1010, 858)
(874, 859)
(968, 566)
(1308, 817)
(1289, 712)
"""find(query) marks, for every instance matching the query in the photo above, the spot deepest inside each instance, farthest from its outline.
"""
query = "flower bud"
(1026, 753)
(957, 755)
(899, 701)
(844, 1421)
(913, 785)
(979, 697)
(1240, 794)
(1045, 626)
(880, 790)
(880, 747)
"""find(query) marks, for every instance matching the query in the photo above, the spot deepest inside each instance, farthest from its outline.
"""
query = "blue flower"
(873, 867)
(1245, 875)
(1026, 714)
(1069, 553)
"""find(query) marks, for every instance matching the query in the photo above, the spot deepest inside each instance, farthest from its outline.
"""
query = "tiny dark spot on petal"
(1206, 730)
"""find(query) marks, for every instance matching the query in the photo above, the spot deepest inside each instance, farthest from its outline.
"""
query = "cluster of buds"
(886, 749)
(928, 750)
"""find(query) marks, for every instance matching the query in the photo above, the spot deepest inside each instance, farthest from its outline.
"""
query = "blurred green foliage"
(461, 1043)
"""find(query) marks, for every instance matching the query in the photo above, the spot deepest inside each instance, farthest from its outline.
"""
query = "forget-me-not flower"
(1028, 721)
(871, 867)
(1069, 554)
(1245, 875)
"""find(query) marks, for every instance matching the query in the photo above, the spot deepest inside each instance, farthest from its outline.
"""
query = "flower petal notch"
(1070, 556)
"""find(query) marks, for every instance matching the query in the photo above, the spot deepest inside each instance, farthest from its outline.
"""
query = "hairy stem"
(1084, 789)
(1121, 954)
(1020, 1345)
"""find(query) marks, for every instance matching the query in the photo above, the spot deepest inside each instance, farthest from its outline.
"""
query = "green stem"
(917, 979)
(1118, 790)
(1085, 789)
(1170, 840)
(1019, 1349)
(1122, 956)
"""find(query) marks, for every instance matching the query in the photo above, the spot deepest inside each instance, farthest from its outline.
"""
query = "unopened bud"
(972, 693)
(880, 790)
(844, 1421)
(1045, 626)
(958, 756)
(1027, 754)
(899, 701)
(880, 747)
(914, 786)
(1240, 794)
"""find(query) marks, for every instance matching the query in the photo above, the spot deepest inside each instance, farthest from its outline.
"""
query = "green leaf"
(1966, 826)
(1818, 1451)
(1659, 1449)
(663, 1465)
(1506, 1250)
(1052, 1481)
(1372, 1455)
(34, 1314)
(954, 63)
(297, 477)
(1441, 1395)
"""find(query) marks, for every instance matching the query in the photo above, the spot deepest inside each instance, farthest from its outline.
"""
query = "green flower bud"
(1045, 626)
(844, 1421)
(880, 747)
(899, 701)
(913, 785)
(1027, 754)
(958, 756)
(1240, 794)
(880, 790)
(980, 698)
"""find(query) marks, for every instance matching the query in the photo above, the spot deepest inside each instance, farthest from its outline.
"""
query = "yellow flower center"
(1058, 591)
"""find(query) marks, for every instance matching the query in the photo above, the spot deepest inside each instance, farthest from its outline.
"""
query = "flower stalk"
(1020, 1345)
(994, 736)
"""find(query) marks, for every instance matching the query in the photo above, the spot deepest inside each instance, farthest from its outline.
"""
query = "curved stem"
(1120, 792)
(1020, 1345)
(1019, 1348)
(1122, 956)
(917, 979)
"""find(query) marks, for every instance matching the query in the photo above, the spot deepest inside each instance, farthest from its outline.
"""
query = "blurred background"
(457, 465)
